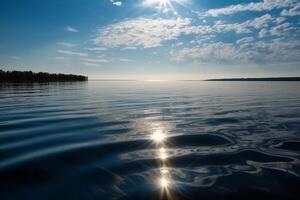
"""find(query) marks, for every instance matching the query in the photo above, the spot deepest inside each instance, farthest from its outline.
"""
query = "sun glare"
(164, 182)
(156, 80)
(164, 171)
(158, 136)
(164, 6)
(163, 154)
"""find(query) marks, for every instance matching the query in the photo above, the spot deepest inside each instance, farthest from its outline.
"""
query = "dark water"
(150, 140)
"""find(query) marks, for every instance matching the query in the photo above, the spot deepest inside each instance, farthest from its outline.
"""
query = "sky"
(152, 39)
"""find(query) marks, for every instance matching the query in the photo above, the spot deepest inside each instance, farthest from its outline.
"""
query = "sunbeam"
(164, 6)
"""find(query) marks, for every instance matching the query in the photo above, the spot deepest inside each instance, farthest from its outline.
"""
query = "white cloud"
(66, 44)
(148, 33)
(263, 33)
(90, 60)
(141, 32)
(256, 23)
(279, 20)
(72, 53)
(275, 51)
(292, 12)
(116, 2)
(278, 50)
(96, 49)
(264, 5)
(179, 44)
(200, 29)
(285, 29)
(126, 60)
(71, 29)
(208, 52)
(204, 43)
(129, 48)
(245, 40)
(88, 64)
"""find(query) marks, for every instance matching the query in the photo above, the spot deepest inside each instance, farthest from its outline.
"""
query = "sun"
(164, 6)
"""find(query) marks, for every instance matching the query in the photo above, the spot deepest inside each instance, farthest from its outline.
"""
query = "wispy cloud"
(66, 44)
(126, 60)
(245, 40)
(258, 39)
(90, 60)
(246, 51)
(285, 29)
(129, 48)
(149, 33)
(96, 49)
(72, 53)
(245, 27)
(292, 12)
(253, 6)
(89, 64)
(71, 29)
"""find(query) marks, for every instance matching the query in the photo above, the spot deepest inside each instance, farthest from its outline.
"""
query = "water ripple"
(136, 140)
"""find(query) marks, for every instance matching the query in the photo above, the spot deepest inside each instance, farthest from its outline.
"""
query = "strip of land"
(258, 79)
(29, 76)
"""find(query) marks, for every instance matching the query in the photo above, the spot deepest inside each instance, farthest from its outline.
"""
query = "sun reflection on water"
(158, 136)
(164, 182)
(164, 171)
(163, 153)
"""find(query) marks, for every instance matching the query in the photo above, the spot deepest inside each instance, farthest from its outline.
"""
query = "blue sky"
(152, 39)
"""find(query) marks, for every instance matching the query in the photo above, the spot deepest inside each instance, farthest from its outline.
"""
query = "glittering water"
(150, 140)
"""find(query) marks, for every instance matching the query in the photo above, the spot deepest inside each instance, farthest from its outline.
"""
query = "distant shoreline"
(258, 79)
(225, 79)
(29, 76)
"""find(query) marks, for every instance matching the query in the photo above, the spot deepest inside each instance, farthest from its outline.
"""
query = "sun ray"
(164, 6)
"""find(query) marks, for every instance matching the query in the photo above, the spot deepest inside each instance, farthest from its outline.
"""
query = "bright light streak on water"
(158, 136)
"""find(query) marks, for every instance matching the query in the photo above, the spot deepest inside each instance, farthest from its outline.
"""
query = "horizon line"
(211, 79)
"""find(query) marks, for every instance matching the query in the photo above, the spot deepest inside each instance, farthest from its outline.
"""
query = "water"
(150, 140)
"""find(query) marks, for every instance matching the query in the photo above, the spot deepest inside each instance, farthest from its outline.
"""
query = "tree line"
(29, 76)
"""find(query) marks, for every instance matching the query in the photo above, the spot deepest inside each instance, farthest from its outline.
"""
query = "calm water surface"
(150, 140)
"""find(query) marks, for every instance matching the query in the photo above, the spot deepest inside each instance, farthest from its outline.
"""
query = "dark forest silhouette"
(29, 76)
